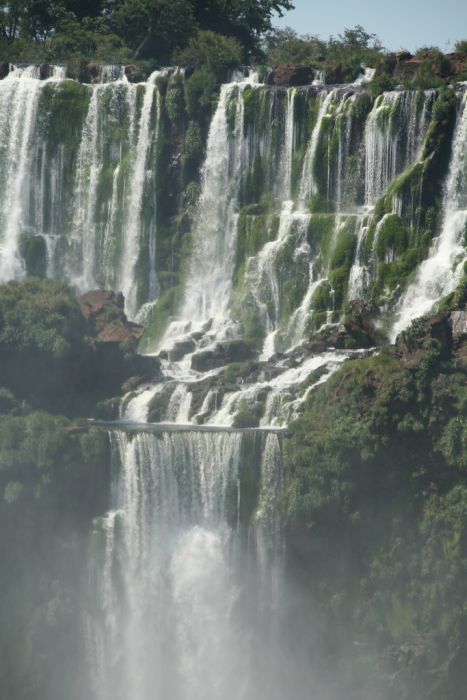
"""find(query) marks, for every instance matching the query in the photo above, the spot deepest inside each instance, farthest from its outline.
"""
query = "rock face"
(425, 334)
(221, 354)
(4, 70)
(406, 65)
(360, 323)
(45, 71)
(459, 324)
(133, 74)
(290, 75)
(106, 319)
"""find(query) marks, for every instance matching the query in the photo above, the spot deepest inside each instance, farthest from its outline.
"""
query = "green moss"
(392, 239)
(158, 405)
(34, 252)
(235, 371)
(159, 317)
(245, 417)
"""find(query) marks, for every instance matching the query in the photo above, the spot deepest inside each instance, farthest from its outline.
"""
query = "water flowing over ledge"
(134, 427)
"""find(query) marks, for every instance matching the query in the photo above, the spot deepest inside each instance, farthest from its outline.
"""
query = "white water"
(440, 273)
(19, 98)
(173, 616)
(209, 285)
(139, 175)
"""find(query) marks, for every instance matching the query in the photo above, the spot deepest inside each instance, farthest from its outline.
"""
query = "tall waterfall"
(439, 274)
(19, 97)
(188, 577)
(95, 181)
(237, 234)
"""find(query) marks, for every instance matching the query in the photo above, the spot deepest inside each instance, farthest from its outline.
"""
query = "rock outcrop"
(106, 319)
(4, 70)
(293, 75)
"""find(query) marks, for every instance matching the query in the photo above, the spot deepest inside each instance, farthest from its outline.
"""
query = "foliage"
(216, 53)
(377, 476)
(53, 481)
(39, 316)
(168, 23)
(112, 31)
(46, 357)
(340, 57)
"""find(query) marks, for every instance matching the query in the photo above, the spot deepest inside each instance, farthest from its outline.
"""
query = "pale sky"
(400, 24)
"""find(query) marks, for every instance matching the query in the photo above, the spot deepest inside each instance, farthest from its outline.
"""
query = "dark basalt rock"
(222, 354)
(133, 74)
(292, 75)
(459, 324)
(424, 334)
(91, 73)
(4, 70)
(181, 348)
(360, 323)
(45, 71)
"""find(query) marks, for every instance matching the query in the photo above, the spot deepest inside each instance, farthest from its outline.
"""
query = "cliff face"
(328, 194)
(269, 240)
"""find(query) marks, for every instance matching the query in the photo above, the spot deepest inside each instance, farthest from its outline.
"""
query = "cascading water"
(440, 273)
(19, 97)
(186, 567)
(209, 284)
(81, 183)
(190, 573)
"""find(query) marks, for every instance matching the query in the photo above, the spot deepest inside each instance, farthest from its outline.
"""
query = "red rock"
(106, 319)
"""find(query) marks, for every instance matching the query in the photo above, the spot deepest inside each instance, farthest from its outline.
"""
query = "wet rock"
(181, 348)
(133, 74)
(413, 343)
(91, 73)
(315, 346)
(268, 372)
(360, 323)
(459, 324)
(4, 70)
(290, 75)
(45, 71)
(222, 354)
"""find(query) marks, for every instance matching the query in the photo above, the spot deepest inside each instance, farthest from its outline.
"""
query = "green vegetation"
(150, 30)
(53, 481)
(377, 496)
(47, 358)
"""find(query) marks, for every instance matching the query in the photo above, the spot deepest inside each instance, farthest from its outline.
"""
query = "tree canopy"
(154, 29)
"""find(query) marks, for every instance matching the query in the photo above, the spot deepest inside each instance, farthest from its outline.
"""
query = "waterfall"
(139, 175)
(19, 97)
(440, 273)
(308, 185)
(178, 609)
(209, 285)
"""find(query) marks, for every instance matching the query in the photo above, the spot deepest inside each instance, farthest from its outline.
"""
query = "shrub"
(212, 52)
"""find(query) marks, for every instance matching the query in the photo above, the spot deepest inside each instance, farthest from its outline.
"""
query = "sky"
(400, 24)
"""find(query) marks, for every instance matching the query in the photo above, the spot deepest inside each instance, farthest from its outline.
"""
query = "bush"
(215, 53)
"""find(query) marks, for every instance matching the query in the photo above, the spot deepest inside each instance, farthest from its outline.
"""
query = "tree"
(12, 16)
(213, 51)
(246, 20)
(155, 28)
